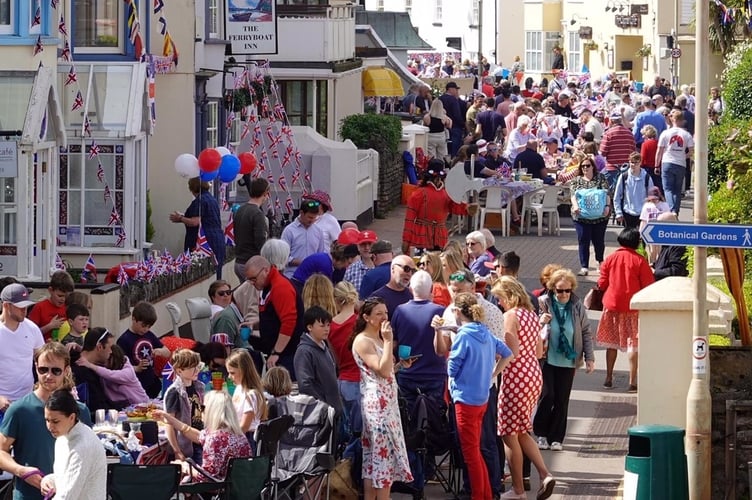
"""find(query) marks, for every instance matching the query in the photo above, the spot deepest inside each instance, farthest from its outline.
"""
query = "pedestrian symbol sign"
(698, 235)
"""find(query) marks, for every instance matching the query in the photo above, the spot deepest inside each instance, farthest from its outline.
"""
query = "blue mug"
(245, 333)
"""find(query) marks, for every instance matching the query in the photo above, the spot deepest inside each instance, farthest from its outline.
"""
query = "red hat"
(349, 236)
(320, 196)
(367, 237)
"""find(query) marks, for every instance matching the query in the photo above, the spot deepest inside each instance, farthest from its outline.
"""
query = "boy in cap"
(355, 272)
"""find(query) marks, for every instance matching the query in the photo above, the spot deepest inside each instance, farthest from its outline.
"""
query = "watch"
(274, 353)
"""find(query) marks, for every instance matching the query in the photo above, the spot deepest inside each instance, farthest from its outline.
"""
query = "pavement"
(591, 466)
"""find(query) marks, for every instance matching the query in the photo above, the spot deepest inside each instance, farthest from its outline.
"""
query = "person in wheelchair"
(221, 438)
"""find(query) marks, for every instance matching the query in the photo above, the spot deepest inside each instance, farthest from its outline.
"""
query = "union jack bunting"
(100, 173)
(72, 76)
(230, 232)
(122, 278)
(114, 217)
(107, 193)
(53, 3)
(37, 16)
(78, 102)
(288, 204)
(282, 182)
(61, 27)
(89, 271)
(93, 150)
(39, 46)
(87, 126)
(65, 52)
(59, 264)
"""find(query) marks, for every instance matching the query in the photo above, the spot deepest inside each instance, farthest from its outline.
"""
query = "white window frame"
(574, 51)
(551, 40)
(438, 11)
(10, 28)
(212, 124)
(534, 50)
(215, 20)
(380, 5)
(475, 19)
(121, 25)
(34, 30)
(409, 6)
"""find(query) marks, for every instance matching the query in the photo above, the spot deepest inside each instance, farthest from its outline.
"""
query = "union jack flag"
(39, 46)
(230, 232)
(298, 158)
(61, 27)
(265, 106)
(107, 193)
(246, 130)
(286, 161)
(202, 244)
(183, 261)
(100, 173)
(53, 3)
(288, 204)
(78, 102)
(114, 217)
(282, 182)
(287, 132)
(230, 119)
(59, 264)
(277, 205)
(295, 176)
(167, 372)
(93, 150)
(87, 126)
(122, 277)
(72, 77)
(264, 157)
(89, 271)
(279, 111)
(37, 17)
(65, 52)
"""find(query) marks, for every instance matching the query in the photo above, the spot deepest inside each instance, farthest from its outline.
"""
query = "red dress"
(522, 380)
(425, 219)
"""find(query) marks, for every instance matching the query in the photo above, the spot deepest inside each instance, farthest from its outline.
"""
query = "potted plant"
(644, 51)
(590, 45)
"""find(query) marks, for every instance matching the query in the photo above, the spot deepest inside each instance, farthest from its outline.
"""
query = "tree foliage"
(726, 32)
(372, 131)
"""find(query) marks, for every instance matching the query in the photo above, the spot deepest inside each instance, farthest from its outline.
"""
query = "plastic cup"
(245, 333)
(55, 334)
(404, 351)
(230, 386)
(217, 381)
(99, 418)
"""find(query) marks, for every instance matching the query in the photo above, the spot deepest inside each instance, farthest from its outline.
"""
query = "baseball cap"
(16, 294)
(367, 236)
(381, 246)
(320, 196)
(221, 338)
(349, 236)
(482, 145)
(452, 85)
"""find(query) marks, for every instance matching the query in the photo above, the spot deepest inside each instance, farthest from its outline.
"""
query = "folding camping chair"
(152, 482)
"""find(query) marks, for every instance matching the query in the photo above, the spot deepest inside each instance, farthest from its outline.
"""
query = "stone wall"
(730, 379)
(391, 174)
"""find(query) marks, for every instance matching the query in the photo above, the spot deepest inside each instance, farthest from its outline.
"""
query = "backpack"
(623, 179)
(432, 416)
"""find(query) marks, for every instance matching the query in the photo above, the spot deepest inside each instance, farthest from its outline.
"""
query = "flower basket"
(590, 46)
(644, 51)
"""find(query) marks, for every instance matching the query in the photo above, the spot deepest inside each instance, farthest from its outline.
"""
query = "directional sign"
(698, 235)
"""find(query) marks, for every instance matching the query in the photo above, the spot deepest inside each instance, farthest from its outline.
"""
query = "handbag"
(157, 454)
(594, 299)
(592, 202)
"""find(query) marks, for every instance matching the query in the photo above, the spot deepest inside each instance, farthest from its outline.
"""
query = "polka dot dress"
(522, 380)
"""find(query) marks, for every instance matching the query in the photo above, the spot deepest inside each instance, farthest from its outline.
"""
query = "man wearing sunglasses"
(397, 292)
(304, 237)
(24, 431)
(19, 337)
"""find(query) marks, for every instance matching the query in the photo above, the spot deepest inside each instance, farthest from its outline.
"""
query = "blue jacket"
(471, 363)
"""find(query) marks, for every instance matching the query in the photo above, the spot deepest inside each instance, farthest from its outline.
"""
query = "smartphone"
(451, 328)
(413, 357)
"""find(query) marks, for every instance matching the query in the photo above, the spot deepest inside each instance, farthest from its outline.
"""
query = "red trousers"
(469, 421)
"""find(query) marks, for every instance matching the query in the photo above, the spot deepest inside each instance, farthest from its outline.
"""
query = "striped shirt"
(617, 144)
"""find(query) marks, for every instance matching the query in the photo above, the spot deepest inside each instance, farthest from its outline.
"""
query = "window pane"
(108, 166)
(97, 210)
(15, 91)
(5, 12)
(97, 23)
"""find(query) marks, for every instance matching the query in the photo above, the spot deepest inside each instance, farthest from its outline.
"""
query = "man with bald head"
(280, 313)
(396, 291)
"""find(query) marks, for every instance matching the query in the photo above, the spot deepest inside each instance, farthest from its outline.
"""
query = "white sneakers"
(556, 446)
(543, 444)
(547, 488)
(582, 272)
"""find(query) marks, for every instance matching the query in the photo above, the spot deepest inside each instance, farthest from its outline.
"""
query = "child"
(141, 345)
(314, 358)
(119, 377)
(183, 400)
(75, 297)
(49, 314)
(78, 321)
(248, 398)
(654, 206)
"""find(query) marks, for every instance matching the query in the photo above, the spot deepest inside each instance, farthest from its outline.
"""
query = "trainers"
(546, 488)
(582, 272)
(511, 495)
(556, 446)
(542, 443)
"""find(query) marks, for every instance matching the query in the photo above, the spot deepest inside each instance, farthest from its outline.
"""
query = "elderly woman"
(476, 249)
(203, 212)
(518, 139)
(427, 209)
(277, 252)
(221, 437)
(569, 340)
(623, 274)
(220, 294)
(521, 386)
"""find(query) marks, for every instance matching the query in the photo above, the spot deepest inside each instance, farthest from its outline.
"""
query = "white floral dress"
(384, 453)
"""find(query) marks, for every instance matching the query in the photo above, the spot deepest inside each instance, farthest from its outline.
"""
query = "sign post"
(698, 235)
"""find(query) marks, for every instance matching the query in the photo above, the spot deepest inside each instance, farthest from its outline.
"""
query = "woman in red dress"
(427, 211)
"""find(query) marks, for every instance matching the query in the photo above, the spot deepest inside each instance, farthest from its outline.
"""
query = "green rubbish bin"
(656, 456)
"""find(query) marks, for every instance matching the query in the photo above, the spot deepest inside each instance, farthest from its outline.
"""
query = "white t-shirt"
(246, 401)
(330, 227)
(17, 358)
(651, 210)
(675, 142)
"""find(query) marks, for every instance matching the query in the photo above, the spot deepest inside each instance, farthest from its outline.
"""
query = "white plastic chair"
(548, 205)
(493, 205)
(199, 310)
(174, 311)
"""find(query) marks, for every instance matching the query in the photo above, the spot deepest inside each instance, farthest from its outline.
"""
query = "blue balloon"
(208, 176)
(229, 168)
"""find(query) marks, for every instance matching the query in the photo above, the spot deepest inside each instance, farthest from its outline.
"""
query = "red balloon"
(247, 163)
(209, 160)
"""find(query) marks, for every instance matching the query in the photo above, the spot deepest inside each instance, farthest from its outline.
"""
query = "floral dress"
(219, 447)
(523, 379)
(384, 453)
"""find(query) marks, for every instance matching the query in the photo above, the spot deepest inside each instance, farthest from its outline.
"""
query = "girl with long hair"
(431, 263)
(248, 397)
(319, 291)
(341, 328)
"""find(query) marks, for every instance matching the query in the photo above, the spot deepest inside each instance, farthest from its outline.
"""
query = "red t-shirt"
(339, 338)
(647, 151)
(43, 312)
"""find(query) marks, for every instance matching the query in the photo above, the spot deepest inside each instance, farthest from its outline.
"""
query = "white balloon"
(187, 166)
(223, 150)
(238, 177)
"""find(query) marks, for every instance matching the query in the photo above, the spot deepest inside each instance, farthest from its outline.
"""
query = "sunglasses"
(439, 173)
(563, 290)
(224, 293)
(458, 276)
(585, 165)
(406, 268)
(311, 204)
(43, 370)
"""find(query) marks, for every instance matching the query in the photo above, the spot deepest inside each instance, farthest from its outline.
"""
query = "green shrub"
(732, 206)
(736, 78)
(372, 131)
(725, 142)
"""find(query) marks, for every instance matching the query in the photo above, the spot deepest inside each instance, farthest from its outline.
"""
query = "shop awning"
(381, 82)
